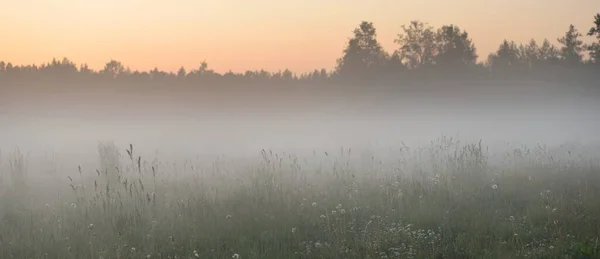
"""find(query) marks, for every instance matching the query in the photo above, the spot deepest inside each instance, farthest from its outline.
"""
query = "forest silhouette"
(423, 53)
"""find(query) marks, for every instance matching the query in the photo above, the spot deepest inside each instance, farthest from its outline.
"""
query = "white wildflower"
(495, 186)
(235, 256)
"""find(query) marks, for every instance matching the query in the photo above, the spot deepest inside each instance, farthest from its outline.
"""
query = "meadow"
(447, 199)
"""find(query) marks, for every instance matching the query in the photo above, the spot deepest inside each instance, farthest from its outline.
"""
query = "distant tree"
(181, 73)
(594, 48)
(203, 69)
(2, 66)
(113, 68)
(549, 52)
(417, 44)
(158, 75)
(83, 68)
(529, 54)
(363, 57)
(287, 75)
(572, 46)
(454, 47)
(506, 61)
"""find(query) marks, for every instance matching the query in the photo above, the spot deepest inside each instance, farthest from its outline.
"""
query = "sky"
(240, 35)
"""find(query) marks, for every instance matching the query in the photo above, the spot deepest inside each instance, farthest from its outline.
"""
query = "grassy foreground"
(443, 201)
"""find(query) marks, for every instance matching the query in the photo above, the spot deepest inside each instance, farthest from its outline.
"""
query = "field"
(445, 200)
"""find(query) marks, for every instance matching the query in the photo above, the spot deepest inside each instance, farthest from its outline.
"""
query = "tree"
(572, 48)
(417, 44)
(454, 48)
(529, 54)
(363, 57)
(181, 73)
(549, 52)
(113, 68)
(506, 61)
(594, 48)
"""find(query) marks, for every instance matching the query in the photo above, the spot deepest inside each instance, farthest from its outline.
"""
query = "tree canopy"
(422, 52)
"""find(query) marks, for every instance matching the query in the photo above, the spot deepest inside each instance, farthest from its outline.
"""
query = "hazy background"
(484, 79)
(178, 128)
(242, 35)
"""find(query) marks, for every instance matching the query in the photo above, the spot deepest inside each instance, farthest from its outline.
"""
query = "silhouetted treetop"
(423, 52)
(363, 56)
(594, 48)
(572, 47)
(417, 45)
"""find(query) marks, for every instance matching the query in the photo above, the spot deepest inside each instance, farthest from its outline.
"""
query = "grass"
(446, 200)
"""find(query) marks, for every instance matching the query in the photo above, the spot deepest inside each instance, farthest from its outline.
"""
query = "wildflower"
(343, 211)
(314, 204)
(133, 249)
(148, 256)
(293, 230)
(322, 216)
(228, 217)
(196, 254)
(551, 247)
(495, 186)
(339, 206)
(333, 212)
(554, 210)
(91, 226)
(512, 218)
(73, 205)
(318, 245)
(235, 256)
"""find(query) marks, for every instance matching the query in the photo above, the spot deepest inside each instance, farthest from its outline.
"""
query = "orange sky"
(252, 34)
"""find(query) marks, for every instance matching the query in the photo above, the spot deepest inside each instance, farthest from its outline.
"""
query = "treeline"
(422, 53)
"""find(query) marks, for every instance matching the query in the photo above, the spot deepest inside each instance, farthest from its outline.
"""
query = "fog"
(173, 128)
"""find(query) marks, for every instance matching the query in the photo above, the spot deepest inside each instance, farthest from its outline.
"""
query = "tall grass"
(445, 200)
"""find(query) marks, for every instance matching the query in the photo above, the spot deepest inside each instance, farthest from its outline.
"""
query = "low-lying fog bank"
(173, 126)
